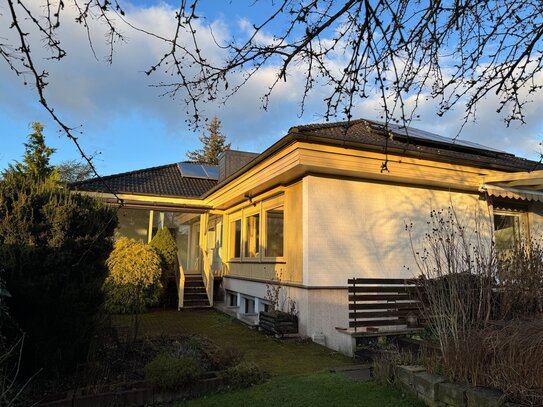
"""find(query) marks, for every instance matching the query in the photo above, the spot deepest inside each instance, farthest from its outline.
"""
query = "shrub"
(165, 245)
(457, 272)
(521, 281)
(243, 375)
(222, 357)
(53, 247)
(133, 283)
(169, 372)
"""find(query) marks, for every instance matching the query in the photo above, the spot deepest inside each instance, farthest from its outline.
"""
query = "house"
(326, 203)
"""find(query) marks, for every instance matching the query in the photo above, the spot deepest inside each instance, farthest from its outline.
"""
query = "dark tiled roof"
(366, 134)
(165, 180)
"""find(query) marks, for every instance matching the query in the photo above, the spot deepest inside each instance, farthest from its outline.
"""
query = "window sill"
(256, 261)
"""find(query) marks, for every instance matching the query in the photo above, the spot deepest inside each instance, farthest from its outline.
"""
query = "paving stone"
(452, 394)
(483, 397)
(426, 384)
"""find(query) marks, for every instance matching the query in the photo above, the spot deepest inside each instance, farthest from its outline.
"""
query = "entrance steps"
(195, 295)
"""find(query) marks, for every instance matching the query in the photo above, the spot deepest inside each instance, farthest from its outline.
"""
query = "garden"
(84, 317)
(482, 309)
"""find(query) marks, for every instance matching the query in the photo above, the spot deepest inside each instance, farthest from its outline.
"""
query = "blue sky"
(128, 125)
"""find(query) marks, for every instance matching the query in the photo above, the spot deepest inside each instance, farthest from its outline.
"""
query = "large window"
(252, 235)
(235, 238)
(257, 233)
(143, 224)
(508, 226)
(133, 223)
(275, 219)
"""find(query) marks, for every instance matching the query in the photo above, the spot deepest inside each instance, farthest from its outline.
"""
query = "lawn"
(300, 370)
(317, 389)
(274, 356)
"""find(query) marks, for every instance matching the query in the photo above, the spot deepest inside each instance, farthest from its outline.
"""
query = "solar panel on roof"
(425, 135)
(191, 170)
(212, 171)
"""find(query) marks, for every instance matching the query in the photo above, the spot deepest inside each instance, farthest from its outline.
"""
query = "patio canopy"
(526, 186)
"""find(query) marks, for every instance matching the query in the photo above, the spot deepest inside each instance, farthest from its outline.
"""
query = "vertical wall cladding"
(358, 228)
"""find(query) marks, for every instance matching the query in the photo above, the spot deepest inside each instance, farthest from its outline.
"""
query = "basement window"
(249, 307)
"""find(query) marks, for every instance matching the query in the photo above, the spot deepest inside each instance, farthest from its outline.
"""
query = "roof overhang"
(525, 186)
(151, 201)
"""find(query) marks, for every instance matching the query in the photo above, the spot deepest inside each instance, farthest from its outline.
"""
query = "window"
(235, 238)
(257, 232)
(249, 306)
(508, 225)
(252, 235)
(232, 299)
(275, 219)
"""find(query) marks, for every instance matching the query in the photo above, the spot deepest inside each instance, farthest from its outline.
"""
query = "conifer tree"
(36, 159)
(213, 144)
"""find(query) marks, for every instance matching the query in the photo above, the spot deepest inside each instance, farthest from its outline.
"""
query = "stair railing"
(207, 277)
(180, 274)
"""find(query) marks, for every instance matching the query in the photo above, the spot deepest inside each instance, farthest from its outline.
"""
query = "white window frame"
(513, 211)
(268, 205)
(237, 216)
(260, 208)
(247, 213)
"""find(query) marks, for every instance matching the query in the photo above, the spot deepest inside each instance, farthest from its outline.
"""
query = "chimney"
(232, 160)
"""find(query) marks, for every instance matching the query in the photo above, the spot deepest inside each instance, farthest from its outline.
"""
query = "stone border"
(141, 394)
(436, 391)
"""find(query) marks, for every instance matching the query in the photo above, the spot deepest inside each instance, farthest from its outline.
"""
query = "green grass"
(277, 357)
(317, 389)
(299, 370)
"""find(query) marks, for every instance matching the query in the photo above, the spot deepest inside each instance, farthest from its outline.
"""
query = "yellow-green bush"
(134, 280)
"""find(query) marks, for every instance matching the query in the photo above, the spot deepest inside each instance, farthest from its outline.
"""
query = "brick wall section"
(435, 391)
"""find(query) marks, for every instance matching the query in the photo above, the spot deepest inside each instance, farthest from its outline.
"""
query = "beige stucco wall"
(357, 228)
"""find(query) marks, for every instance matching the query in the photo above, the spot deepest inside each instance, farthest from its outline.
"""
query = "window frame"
(267, 206)
(237, 216)
(515, 211)
(247, 213)
(261, 208)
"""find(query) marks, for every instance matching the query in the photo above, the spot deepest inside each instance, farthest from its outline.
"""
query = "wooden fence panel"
(378, 302)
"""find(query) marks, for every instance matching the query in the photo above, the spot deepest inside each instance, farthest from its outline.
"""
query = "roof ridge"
(314, 126)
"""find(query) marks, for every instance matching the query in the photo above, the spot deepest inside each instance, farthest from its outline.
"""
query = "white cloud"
(90, 92)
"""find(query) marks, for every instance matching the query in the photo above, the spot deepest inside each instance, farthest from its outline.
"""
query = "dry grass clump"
(485, 310)
(506, 356)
